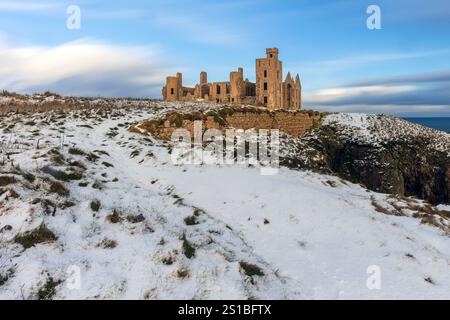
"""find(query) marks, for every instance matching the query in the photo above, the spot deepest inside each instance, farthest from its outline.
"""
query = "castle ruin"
(269, 90)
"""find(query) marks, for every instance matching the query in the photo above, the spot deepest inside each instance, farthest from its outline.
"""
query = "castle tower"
(180, 79)
(269, 72)
(236, 85)
(203, 78)
(299, 91)
(173, 88)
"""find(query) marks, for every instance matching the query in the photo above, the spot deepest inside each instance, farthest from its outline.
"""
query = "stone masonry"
(294, 123)
(269, 90)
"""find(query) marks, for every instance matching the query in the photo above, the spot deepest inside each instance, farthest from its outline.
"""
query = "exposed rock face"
(448, 181)
(384, 154)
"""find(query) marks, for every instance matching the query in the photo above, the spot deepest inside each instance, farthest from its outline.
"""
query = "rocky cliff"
(385, 154)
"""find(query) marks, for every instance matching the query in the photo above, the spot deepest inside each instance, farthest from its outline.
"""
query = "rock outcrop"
(385, 154)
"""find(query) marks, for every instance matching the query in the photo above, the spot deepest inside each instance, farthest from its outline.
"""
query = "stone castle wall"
(294, 123)
(269, 91)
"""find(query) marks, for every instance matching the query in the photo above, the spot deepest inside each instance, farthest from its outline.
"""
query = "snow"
(314, 236)
(358, 120)
(5, 100)
(380, 130)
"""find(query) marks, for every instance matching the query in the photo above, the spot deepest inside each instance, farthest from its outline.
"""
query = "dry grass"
(381, 209)
(403, 206)
(95, 205)
(7, 180)
(107, 244)
(57, 187)
(114, 217)
(251, 269)
(188, 249)
(39, 235)
(48, 290)
(61, 175)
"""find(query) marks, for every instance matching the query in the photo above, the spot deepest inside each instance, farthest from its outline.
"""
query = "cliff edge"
(385, 154)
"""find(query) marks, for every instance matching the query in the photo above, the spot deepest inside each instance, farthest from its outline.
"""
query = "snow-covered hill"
(81, 195)
(385, 154)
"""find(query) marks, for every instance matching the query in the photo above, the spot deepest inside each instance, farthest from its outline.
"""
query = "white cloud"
(371, 58)
(335, 94)
(83, 67)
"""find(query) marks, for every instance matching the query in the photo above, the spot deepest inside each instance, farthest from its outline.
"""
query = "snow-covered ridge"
(381, 130)
(384, 153)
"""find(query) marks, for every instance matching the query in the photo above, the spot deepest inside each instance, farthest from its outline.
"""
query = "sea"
(441, 123)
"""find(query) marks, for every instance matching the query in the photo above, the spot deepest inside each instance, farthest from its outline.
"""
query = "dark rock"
(407, 164)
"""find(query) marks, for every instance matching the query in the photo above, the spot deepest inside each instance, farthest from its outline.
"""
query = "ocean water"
(442, 124)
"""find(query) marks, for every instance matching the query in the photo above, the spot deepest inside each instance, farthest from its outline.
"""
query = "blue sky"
(126, 48)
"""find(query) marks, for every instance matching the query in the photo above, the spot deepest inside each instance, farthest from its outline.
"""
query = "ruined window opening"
(172, 91)
(218, 89)
(289, 95)
(265, 100)
(265, 86)
(265, 73)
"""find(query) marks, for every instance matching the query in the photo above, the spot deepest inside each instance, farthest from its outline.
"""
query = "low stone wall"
(294, 123)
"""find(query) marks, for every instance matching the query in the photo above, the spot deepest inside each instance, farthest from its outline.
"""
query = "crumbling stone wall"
(294, 123)
(269, 90)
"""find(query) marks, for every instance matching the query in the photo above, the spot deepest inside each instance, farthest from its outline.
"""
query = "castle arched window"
(172, 91)
(265, 73)
(218, 89)
(265, 86)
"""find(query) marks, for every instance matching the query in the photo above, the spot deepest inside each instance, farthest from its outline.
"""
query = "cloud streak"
(359, 60)
(422, 93)
(428, 77)
(84, 67)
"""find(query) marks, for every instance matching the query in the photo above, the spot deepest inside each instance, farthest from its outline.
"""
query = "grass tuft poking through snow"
(188, 249)
(34, 237)
(251, 269)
